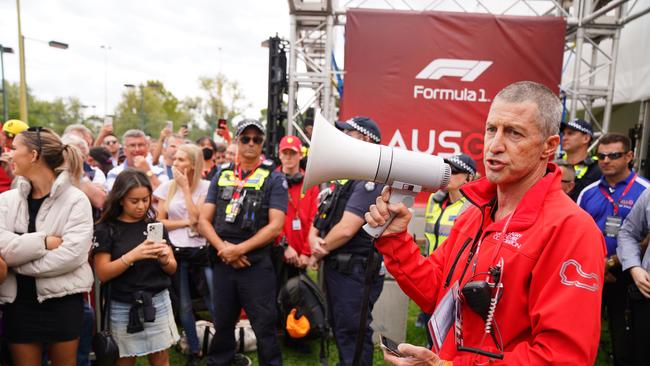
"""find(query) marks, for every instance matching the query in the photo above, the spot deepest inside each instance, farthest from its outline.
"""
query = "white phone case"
(155, 232)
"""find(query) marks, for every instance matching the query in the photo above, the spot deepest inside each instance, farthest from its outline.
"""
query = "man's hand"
(165, 133)
(140, 162)
(318, 250)
(415, 356)
(303, 261)
(230, 252)
(380, 213)
(291, 256)
(641, 279)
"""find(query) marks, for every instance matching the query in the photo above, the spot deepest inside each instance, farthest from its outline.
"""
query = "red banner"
(428, 78)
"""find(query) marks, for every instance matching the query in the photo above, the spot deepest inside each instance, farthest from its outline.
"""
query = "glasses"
(110, 142)
(455, 171)
(38, 130)
(611, 156)
(246, 139)
(566, 181)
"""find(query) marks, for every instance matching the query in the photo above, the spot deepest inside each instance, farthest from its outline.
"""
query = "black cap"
(241, 126)
(463, 163)
(579, 125)
(364, 125)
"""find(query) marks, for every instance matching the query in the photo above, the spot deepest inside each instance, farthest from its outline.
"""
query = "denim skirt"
(156, 336)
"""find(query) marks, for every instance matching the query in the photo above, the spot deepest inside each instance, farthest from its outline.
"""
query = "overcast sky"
(171, 41)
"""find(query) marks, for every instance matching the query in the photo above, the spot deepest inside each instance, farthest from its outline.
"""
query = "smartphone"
(170, 126)
(390, 346)
(108, 121)
(155, 232)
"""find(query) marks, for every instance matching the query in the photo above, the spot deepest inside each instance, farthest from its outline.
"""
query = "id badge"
(227, 193)
(443, 318)
(295, 224)
(612, 225)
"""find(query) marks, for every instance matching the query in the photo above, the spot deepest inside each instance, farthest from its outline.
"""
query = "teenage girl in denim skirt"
(138, 272)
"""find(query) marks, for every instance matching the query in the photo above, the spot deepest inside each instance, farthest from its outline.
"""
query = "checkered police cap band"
(578, 127)
(456, 161)
(364, 131)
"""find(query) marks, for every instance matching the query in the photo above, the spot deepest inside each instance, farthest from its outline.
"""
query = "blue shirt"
(593, 201)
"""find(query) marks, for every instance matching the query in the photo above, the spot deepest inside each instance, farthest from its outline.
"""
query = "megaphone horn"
(335, 155)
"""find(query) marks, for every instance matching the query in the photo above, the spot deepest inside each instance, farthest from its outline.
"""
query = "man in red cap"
(301, 210)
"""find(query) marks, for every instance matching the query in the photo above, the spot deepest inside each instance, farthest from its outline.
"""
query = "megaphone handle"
(396, 196)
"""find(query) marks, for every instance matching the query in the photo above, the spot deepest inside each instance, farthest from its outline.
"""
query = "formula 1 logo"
(571, 274)
(467, 70)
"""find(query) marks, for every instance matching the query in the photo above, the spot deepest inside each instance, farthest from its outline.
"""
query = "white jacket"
(66, 213)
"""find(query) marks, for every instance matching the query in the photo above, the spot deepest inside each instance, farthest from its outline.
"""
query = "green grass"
(414, 335)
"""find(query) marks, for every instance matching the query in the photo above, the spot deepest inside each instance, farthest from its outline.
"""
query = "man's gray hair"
(78, 127)
(134, 133)
(549, 107)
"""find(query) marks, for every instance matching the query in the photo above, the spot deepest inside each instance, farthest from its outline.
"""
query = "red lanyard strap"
(240, 181)
(611, 200)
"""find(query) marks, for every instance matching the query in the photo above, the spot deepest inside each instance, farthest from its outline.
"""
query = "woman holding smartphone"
(179, 202)
(137, 271)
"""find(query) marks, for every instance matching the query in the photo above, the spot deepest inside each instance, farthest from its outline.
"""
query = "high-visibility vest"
(439, 217)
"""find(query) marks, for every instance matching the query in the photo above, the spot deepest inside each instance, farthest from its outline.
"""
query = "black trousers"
(640, 324)
(344, 300)
(252, 288)
(615, 303)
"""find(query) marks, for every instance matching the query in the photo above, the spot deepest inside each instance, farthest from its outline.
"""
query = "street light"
(21, 51)
(3, 87)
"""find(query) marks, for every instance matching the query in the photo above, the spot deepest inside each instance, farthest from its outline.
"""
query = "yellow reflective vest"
(439, 217)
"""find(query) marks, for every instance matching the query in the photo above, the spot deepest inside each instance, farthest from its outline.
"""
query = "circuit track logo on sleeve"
(466, 70)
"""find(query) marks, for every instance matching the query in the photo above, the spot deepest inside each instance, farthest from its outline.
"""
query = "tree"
(148, 107)
(55, 115)
(224, 99)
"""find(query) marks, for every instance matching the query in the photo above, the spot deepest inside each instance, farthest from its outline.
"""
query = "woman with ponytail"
(46, 231)
(179, 203)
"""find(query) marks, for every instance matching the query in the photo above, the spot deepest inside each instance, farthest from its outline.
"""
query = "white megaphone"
(335, 155)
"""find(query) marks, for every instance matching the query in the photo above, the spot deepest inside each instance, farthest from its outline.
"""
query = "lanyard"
(611, 200)
(296, 206)
(240, 181)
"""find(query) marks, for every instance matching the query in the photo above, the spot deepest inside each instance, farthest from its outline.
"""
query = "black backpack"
(302, 294)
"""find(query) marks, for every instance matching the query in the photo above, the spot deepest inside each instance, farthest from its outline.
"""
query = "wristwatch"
(149, 174)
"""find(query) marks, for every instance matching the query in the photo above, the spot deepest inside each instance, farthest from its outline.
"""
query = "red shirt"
(5, 181)
(552, 276)
(302, 208)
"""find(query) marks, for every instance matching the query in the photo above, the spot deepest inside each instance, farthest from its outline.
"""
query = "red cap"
(290, 142)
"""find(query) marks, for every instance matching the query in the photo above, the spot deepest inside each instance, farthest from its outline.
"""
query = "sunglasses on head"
(611, 156)
(246, 139)
(38, 130)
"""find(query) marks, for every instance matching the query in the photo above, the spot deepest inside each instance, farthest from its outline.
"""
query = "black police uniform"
(345, 267)
(586, 172)
(252, 288)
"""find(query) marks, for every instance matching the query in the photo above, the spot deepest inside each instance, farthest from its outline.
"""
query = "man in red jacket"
(519, 280)
(301, 209)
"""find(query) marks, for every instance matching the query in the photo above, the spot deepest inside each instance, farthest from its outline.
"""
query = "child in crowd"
(137, 270)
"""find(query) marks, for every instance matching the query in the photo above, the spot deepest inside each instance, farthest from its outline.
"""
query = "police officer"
(577, 134)
(444, 206)
(337, 238)
(243, 213)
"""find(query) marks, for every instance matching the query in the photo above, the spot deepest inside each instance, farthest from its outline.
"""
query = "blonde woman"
(46, 232)
(179, 201)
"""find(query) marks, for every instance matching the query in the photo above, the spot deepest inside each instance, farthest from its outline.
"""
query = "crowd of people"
(514, 270)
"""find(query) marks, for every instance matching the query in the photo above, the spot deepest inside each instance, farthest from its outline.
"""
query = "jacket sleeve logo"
(571, 274)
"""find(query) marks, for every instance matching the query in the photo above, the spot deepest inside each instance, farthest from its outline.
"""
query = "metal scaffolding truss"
(591, 47)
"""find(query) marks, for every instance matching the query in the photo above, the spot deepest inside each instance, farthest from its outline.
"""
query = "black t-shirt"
(118, 238)
(26, 285)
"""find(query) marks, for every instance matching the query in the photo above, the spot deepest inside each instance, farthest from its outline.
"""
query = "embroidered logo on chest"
(511, 239)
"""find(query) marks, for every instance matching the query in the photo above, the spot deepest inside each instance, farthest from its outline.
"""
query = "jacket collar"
(482, 194)
(61, 182)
